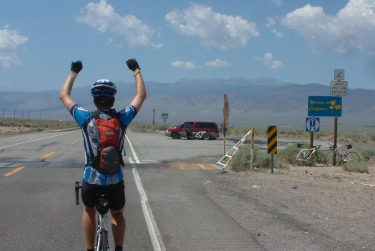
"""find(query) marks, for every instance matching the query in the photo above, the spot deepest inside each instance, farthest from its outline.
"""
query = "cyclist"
(94, 182)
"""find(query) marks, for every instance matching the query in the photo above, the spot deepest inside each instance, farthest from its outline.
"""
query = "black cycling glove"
(76, 66)
(132, 64)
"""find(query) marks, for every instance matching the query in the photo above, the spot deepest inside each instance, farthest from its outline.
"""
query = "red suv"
(179, 131)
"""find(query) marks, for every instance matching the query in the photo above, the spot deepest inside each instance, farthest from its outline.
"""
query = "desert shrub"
(35, 125)
(357, 167)
(241, 161)
(366, 153)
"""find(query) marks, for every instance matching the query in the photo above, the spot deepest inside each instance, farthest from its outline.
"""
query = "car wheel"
(174, 135)
(206, 136)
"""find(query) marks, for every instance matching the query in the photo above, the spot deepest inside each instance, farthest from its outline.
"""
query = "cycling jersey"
(90, 134)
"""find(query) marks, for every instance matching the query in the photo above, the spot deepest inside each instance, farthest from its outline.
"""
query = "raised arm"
(140, 88)
(65, 97)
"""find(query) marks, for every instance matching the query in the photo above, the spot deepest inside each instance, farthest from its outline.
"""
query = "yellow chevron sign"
(272, 139)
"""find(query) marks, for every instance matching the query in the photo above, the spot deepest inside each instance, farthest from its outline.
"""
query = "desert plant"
(357, 167)
(366, 153)
(241, 161)
(34, 125)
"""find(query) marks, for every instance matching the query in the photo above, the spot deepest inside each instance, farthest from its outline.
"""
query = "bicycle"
(339, 158)
(308, 156)
(102, 207)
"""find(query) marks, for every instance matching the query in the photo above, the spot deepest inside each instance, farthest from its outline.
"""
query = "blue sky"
(294, 41)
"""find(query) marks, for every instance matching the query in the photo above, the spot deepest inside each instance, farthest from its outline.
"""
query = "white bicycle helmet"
(103, 88)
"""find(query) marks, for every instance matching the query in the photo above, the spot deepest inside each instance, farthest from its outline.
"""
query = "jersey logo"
(109, 133)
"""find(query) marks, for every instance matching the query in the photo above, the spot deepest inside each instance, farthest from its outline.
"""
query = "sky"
(293, 41)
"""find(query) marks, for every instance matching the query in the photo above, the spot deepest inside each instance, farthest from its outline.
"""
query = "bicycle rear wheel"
(352, 156)
(318, 159)
(329, 159)
(294, 158)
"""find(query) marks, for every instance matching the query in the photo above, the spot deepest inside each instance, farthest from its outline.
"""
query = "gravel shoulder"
(298, 208)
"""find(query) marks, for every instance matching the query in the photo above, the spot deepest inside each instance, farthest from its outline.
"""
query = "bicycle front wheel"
(103, 241)
(295, 159)
(352, 156)
(318, 159)
(330, 157)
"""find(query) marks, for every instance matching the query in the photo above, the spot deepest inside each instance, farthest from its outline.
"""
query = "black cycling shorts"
(115, 192)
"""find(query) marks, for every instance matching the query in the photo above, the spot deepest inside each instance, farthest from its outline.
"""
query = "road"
(169, 206)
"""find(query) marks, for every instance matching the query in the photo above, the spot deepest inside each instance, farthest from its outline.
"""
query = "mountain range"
(253, 102)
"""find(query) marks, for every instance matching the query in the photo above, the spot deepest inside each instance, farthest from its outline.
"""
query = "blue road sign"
(324, 106)
(312, 124)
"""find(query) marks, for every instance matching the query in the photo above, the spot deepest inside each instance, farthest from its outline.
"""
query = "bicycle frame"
(338, 156)
(307, 156)
(102, 242)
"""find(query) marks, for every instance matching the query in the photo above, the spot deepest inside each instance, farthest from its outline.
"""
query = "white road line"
(131, 147)
(201, 166)
(152, 227)
(34, 140)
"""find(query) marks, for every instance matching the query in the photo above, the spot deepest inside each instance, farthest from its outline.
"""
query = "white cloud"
(270, 62)
(353, 27)
(218, 63)
(182, 64)
(277, 2)
(10, 41)
(103, 17)
(157, 46)
(271, 22)
(214, 29)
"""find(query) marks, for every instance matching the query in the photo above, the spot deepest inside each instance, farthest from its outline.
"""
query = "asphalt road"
(169, 206)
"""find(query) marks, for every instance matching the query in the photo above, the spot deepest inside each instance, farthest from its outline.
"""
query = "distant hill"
(253, 102)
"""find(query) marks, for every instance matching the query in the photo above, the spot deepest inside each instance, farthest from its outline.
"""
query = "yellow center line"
(14, 171)
(47, 155)
(74, 142)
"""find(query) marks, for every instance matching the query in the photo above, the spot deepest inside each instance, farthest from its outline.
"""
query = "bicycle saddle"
(102, 206)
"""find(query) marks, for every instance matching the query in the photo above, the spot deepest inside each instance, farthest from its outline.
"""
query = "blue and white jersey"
(90, 134)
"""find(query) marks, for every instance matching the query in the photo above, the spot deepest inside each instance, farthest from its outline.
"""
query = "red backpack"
(109, 158)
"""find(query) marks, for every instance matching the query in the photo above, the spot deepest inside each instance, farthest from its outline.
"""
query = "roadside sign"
(324, 106)
(339, 88)
(339, 74)
(164, 116)
(312, 124)
(272, 139)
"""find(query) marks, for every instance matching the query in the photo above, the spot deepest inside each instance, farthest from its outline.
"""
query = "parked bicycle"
(308, 156)
(337, 157)
(102, 207)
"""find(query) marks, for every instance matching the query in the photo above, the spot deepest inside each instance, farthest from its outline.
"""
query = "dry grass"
(20, 126)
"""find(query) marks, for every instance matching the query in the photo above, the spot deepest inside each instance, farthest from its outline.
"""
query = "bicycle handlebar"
(76, 188)
(332, 146)
(316, 147)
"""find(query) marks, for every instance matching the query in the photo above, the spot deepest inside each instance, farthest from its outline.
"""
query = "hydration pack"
(108, 159)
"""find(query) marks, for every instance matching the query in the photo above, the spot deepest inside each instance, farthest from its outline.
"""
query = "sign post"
(226, 110)
(272, 142)
(338, 88)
